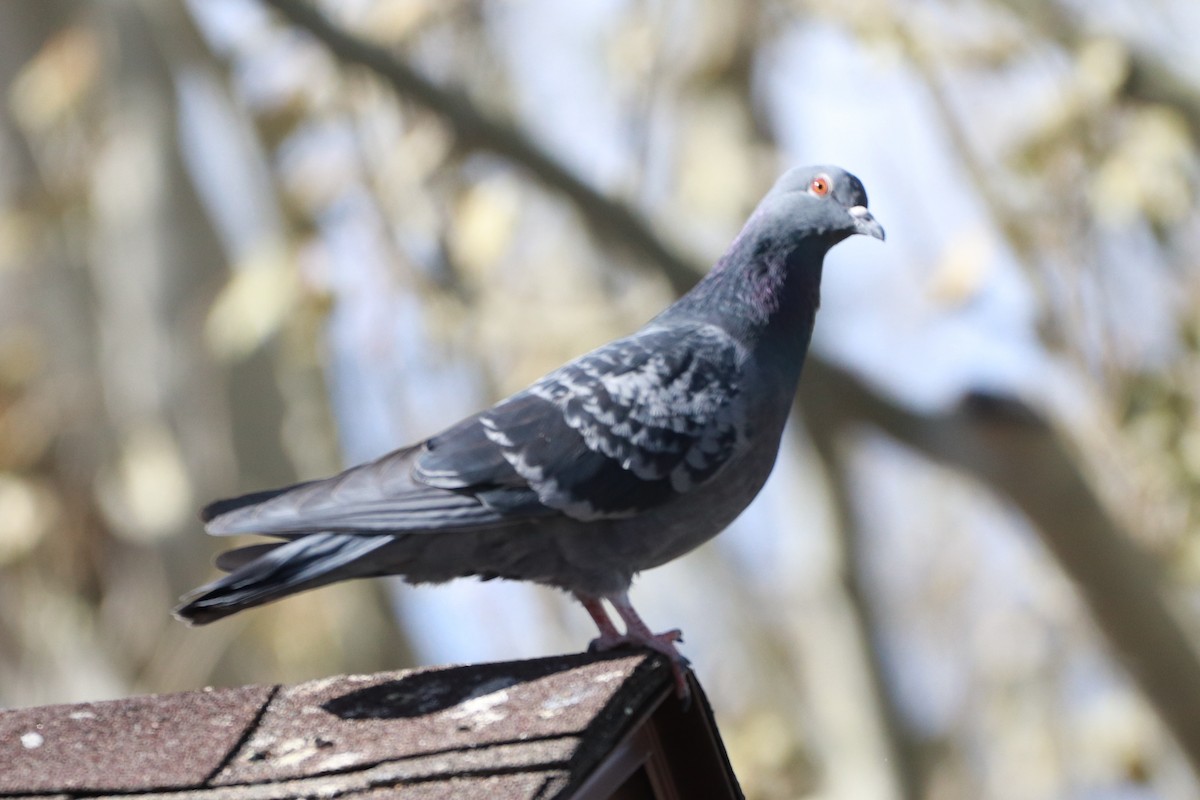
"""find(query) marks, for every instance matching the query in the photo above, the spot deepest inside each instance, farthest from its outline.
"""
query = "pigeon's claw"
(637, 634)
(658, 642)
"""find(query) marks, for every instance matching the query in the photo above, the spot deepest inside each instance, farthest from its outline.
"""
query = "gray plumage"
(619, 461)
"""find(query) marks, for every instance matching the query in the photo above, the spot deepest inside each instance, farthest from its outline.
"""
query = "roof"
(521, 729)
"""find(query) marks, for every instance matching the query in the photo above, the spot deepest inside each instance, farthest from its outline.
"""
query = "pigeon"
(620, 461)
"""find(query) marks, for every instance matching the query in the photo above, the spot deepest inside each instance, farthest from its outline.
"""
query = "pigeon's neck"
(763, 291)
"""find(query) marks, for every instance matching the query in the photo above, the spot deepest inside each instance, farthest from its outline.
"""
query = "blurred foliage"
(169, 192)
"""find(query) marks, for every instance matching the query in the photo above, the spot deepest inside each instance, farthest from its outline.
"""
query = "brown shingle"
(339, 723)
(154, 742)
(526, 730)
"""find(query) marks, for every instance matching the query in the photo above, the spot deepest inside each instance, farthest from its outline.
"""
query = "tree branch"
(1009, 448)
(828, 439)
(611, 220)
(1150, 79)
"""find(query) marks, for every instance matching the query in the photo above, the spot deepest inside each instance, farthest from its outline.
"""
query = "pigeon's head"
(823, 201)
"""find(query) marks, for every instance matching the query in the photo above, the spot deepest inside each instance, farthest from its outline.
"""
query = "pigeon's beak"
(865, 224)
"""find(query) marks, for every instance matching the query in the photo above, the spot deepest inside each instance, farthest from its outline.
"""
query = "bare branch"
(1006, 446)
(905, 760)
(611, 220)
(1150, 79)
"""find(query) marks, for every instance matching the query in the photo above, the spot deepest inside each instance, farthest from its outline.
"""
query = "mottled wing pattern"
(615, 432)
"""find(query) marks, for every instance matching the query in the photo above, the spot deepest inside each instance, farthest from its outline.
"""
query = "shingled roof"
(578, 726)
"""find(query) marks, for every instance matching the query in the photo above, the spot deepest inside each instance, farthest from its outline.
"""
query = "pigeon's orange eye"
(819, 186)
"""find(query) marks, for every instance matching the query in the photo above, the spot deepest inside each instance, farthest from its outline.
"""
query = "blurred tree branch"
(829, 441)
(1001, 443)
(474, 130)
(1148, 79)
(1009, 448)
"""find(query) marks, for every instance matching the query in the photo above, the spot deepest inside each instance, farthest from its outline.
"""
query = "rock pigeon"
(621, 460)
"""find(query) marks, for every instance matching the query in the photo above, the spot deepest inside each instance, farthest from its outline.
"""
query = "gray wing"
(618, 431)
(380, 496)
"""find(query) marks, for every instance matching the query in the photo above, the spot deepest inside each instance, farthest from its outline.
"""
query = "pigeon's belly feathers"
(601, 556)
(595, 557)
(614, 550)
(659, 536)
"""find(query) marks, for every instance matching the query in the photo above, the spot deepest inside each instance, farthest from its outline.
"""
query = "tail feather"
(279, 570)
(219, 507)
(232, 560)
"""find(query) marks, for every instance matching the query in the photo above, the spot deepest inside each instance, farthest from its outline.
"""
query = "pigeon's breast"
(691, 518)
(694, 518)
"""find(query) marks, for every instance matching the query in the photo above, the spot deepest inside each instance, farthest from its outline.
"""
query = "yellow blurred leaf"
(769, 755)
(962, 268)
(254, 304)
(1101, 67)
(55, 79)
(484, 224)
(1189, 450)
(1147, 172)
(148, 494)
(716, 166)
(1111, 732)
(390, 21)
(27, 511)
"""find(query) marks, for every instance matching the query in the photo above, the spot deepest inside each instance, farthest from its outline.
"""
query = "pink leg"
(610, 637)
(637, 634)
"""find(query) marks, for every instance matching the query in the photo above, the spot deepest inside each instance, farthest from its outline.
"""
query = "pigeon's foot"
(637, 634)
(658, 642)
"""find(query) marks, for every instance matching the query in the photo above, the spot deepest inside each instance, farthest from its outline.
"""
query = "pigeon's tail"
(267, 572)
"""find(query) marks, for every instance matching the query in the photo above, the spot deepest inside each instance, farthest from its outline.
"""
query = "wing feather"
(615, 432)
(618, 431)
(371, 498)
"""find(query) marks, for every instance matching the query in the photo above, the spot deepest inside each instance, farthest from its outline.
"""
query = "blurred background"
(243, 244)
